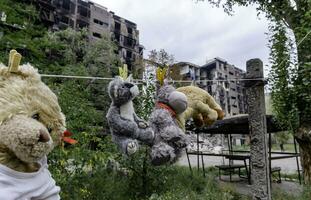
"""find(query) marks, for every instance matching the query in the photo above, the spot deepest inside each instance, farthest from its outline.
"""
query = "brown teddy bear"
(202, 107)
(31, 124)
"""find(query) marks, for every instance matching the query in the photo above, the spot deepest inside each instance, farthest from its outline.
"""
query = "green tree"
(161, 58)
(21, 30)
(79, 169)
(295, 16)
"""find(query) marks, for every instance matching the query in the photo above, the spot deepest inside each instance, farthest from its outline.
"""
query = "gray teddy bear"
(126, 127)
(170, 139)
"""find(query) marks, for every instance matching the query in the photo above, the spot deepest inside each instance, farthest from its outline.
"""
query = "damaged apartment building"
(77, 14)
(218, 78)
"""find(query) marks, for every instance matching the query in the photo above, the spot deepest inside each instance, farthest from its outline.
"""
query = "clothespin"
(14, 61)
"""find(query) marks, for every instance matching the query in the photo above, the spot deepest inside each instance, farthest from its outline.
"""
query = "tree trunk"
(303, 137)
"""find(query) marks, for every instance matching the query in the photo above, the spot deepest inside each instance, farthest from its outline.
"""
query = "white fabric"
(28, 186)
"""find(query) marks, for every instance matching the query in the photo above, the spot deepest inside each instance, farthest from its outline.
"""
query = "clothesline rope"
(141, 80)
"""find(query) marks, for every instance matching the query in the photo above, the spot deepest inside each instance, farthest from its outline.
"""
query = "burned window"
(96, 21)
(64, 20)
(117, 26)
(209, 89)
(129, 42)
(83, 11)
(72, 8)
(128, 54)
(226, 85)
(66, 4)
(97, 35)
(82, 24)
(117, 37)
(129, 30)
(71, 23)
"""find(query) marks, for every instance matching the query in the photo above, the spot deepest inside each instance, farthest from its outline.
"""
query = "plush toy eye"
(49, 129)
(128, 85)
(35, 116)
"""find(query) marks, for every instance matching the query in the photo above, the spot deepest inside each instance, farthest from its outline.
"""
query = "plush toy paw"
(145, 135)
(162, 153)
(143, 124)
(132, 147)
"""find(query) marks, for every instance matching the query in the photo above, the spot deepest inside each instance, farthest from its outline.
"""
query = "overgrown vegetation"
(291, 65)
(93, 168)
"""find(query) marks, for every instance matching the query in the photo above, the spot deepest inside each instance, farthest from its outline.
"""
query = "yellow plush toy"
(202, 107)
(31, 124)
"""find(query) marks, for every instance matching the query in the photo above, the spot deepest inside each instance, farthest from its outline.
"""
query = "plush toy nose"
(44, 136)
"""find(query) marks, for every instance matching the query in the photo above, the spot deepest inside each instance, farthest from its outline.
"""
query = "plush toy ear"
(166, 82)
(14, 61)
(129, 78)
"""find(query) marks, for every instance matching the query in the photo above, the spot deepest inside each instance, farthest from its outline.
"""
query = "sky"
(196, 32)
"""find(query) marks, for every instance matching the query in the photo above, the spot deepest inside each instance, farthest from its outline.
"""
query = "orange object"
(67, 138)
(166, 107)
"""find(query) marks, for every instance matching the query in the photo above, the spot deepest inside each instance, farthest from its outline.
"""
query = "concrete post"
(260, 174)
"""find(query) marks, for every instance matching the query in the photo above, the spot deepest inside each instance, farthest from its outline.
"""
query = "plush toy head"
(31, 121)
(176, 100)
(121, 91)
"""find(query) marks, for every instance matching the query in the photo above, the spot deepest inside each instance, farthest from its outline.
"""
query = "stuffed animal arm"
(119, 124)
(140, 122)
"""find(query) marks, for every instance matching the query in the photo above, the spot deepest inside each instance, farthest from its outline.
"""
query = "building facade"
(185, 71)
(78, 14)
(218, 78)
(226, 88)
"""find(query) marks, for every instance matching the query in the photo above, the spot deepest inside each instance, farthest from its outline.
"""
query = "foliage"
(281, 78)
(77, 168)
(161, 58)
(21, 30)
(291, 88)
(296, 16)
(138, 68)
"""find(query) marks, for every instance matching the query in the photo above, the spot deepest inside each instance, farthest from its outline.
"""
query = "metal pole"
(198, 154)
(270, 160)
(297, 161)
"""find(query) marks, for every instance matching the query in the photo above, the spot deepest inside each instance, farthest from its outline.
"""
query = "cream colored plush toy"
(31, 124)
(202, 107)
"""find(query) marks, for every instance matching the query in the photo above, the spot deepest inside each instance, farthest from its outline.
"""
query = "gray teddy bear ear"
(129, 78)
(118, 78)
(165, 82)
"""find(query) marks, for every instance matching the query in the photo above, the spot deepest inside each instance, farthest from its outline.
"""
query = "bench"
(230, 169)
(276, 170)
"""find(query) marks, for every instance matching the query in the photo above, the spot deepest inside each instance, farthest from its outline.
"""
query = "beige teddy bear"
(202, 107)
(31, 124)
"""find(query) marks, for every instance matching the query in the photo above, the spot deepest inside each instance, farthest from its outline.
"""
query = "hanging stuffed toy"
(202, 107)
(31, 124)
(170, 139)
(126, 127)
